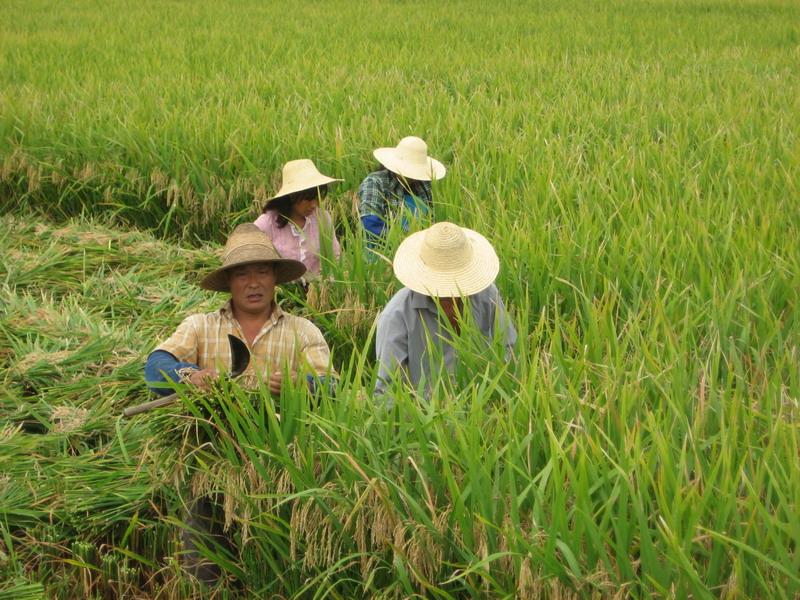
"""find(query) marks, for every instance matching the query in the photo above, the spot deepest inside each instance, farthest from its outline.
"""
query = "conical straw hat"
(246, 245)
(301, 174)
(446, 261)
(410, 159)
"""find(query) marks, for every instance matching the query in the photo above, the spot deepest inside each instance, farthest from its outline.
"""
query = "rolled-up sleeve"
(315, 352)
(160, 367)
(184, 343)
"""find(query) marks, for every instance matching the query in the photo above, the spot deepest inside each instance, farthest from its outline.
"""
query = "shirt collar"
(422, 301)
(277, 313)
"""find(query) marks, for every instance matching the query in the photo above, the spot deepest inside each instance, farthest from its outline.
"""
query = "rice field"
(636, 165)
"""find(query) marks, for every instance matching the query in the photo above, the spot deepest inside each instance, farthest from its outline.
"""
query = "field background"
(636, 165)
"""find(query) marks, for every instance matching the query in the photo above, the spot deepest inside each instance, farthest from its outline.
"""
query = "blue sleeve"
(374, 224)
(159, 364)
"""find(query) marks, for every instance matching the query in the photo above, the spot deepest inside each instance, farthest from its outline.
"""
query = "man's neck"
(251, 323)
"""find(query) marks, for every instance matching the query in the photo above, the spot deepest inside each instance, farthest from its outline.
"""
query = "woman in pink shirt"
(292, 218)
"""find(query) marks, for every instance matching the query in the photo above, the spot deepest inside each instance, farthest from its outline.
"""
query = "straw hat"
(246, 245)
(299, 175)
(446, 261)
(410, 159)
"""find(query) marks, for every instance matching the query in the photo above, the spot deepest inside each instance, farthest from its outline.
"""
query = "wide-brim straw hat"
(410, 159)
(247, 245)
(446, 261)
(298, 175)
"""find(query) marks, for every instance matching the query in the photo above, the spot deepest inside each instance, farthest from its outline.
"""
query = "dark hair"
(415, 184)
(283, 205)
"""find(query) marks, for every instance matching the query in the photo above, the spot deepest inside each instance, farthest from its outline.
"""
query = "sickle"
(240, 358)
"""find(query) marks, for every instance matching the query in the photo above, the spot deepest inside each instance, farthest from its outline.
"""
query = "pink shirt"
(299, 244)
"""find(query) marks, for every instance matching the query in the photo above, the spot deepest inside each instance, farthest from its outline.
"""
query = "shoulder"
(195, 320)
(490, 293)
(376, 179)
(402, 297)
(200, 321)
(303, 327)
(398, 306)
(265, 221)
(379, 175)
(489, 297)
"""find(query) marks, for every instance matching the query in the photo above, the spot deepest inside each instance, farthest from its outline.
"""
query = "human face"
(305, 208)
(252, 288)
(309, 202)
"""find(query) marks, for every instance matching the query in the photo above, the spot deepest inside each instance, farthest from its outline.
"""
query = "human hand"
(276, 381)
(204, 378)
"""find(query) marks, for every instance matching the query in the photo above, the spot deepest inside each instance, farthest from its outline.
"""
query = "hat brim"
(474, 277)
(308, 184)
(286, 270)
(389, 159)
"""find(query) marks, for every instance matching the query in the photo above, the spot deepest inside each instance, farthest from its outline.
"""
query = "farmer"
(446, 270)
(292, 218)
(401, 187)
(199, 351)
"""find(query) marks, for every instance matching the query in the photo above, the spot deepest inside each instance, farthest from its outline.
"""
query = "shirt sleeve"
(337, 249)
(391, 347)
(505, 325)
(184, 343)
(373, 224)
(264, 222)
(160, 367)
(315, 351)
(371, 197)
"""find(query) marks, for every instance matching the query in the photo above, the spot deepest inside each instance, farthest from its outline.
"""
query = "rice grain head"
(67, 419)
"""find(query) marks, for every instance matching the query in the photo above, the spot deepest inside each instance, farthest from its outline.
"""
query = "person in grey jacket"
(446, 270)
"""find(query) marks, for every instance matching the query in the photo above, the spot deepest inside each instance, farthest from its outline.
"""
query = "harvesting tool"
(240, 358)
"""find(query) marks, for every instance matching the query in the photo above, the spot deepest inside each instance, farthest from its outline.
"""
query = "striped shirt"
(284, 342)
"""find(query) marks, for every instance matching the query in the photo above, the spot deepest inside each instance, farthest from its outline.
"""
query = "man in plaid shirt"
(278, 342)
(198, 351)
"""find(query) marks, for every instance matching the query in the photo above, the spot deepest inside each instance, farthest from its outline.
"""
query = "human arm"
(320, 374)
(391, 347)
(265, 221)
(372, 205)
(505, 325)
(177, 360)
(310, 360)
(161, 366)
(327, 231)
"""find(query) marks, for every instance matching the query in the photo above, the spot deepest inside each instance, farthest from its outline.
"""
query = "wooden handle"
(140, 408)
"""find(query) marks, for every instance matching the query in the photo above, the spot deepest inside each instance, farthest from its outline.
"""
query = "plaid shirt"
(285, 341)
(381, 195)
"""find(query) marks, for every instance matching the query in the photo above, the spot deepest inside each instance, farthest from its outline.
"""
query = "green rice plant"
(634, 165)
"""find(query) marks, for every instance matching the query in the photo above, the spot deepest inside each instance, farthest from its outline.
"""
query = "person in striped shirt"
(198, 351)
(279, 343)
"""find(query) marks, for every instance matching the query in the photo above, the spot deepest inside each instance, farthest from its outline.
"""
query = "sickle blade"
(240, 355)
